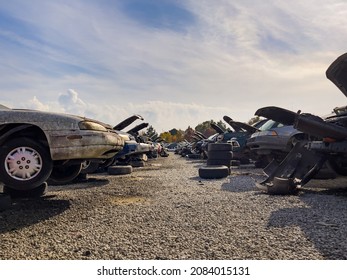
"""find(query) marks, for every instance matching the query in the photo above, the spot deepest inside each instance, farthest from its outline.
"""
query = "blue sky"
(175, 62)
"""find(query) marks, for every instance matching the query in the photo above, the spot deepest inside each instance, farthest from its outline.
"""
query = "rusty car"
(37, 146)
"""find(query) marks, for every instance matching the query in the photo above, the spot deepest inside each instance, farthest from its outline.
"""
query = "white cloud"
(239, 56)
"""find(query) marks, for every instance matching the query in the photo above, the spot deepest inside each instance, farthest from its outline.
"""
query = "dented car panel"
(67, 136)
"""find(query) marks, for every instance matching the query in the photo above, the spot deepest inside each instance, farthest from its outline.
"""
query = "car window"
(270, 124)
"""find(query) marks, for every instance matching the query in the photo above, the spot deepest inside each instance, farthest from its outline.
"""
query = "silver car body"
(67, 136)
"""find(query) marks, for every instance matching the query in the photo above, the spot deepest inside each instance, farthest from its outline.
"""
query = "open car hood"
(277, 114)
(246, 127)
(127, 122)
(138, 128)
(232, 123)
(217, 128)
(337, 73)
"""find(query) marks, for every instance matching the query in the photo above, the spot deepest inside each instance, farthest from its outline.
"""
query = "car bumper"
(85, 145)
(264, 145)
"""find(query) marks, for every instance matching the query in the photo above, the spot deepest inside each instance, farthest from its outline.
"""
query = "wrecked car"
(272, 141)
(308, 157)
(36, 146)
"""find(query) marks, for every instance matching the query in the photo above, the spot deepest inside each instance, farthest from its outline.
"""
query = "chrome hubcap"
(23, 163)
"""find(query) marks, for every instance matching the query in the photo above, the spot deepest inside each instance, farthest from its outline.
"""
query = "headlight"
(88, 125)
(268, 133)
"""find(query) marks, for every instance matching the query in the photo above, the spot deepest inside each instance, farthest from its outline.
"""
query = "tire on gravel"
(220, 155)
(213, 171)
(64, 174)
(33, 193)
(219, 147)
(137, 163)
(119, 169)
(194, 156)
(225, 162)
(5, 202)
(235, 162)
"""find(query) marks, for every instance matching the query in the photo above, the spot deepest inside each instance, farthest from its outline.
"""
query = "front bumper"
(84, 144)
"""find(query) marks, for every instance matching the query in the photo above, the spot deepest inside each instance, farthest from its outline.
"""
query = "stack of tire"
(219, 161)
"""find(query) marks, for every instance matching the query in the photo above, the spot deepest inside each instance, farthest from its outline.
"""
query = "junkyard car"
(273, 141)
(307, 157)
(36, 146)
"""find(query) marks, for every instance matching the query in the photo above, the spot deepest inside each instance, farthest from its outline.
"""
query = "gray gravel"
(165, 211)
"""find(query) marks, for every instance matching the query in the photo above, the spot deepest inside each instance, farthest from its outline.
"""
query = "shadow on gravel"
(26, 212)
(323, 220)
(83, 184)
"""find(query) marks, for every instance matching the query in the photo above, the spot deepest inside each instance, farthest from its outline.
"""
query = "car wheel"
(226, 162)
(340, 167)
(89, 167)
(64, 174)
(36, 192)
(213, 171)
(24, 164)
(119, 169)
(5, 202)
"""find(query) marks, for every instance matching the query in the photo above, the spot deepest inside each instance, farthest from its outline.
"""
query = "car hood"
(337, 73)
(277, 114)
(127, 122)
(217, 128)
(232, 123)
(58, 120)
(138, 128)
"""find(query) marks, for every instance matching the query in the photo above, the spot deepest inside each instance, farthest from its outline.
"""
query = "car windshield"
(270, 124)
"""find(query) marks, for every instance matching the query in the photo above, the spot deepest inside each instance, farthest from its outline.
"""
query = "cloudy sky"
(175, 62)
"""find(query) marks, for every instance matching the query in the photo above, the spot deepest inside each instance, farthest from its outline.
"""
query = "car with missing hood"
(37, 145)
(307, 158)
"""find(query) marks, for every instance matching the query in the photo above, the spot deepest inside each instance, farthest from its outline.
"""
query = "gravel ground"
(165, 211)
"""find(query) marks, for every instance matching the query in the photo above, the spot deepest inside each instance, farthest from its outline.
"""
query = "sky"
(177, 63)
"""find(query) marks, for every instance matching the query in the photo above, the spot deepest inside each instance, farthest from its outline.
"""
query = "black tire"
(89, 167)
(37, 192)
(213, 172)
(226, 162)
(137, 163)
(64, 174)
(5, 202)
(220, 155)
(219, 147)
(119, 169)
(194, 156)
(338, 166)
(235, 163)
(25, 153)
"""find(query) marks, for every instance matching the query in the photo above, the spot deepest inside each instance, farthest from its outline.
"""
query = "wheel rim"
(23, 163)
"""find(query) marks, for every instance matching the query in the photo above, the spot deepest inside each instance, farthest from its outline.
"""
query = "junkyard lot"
(165, 211)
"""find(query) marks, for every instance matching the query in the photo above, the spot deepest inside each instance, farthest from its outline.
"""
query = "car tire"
(119, 169)
(235, 162)
(64, 174)
(29, 155)
(137, 163)
(226, 162)
(219, 147)
(194, 156)
(213, 171)
(228, 155)
(5, 202)
(89, 167)
(36, 192)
